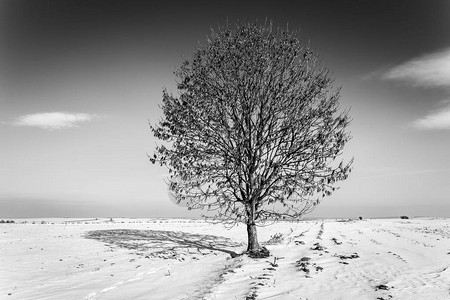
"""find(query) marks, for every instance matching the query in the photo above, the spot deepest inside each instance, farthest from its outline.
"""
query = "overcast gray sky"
(79, 81)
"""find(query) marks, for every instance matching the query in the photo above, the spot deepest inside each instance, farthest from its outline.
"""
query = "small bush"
(277, 238)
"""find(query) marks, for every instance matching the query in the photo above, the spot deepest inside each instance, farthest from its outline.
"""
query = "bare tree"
(255, 129)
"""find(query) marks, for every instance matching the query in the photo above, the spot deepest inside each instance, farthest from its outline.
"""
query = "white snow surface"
(190, 259)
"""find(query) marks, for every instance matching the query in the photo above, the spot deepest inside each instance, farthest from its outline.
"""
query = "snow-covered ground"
(190, 259)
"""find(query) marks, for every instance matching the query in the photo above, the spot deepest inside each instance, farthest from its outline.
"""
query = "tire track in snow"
(138, 276)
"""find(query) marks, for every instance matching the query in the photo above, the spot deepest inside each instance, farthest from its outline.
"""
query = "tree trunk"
(253, 244)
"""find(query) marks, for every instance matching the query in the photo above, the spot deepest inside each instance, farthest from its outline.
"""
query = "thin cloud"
(431, 70)
(53, 120)
(439, 119)
(396, 172)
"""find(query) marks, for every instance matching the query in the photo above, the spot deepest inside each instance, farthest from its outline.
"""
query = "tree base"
(259, 253)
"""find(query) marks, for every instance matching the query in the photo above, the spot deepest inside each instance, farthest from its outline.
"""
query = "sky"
(81, 80)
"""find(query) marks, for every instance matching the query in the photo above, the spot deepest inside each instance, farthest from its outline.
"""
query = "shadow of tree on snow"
(164, 244)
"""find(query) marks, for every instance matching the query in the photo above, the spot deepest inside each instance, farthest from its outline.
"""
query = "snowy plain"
(190, 259)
